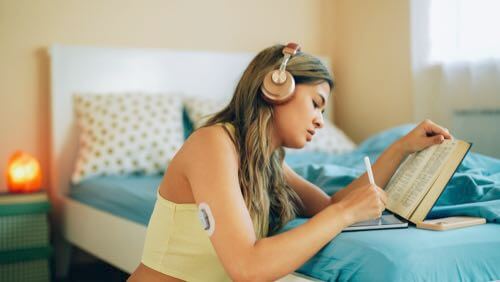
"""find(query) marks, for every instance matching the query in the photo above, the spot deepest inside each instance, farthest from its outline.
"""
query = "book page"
(415, 176)
(446, 172)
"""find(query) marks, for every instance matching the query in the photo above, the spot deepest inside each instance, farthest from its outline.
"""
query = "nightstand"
(25, 250)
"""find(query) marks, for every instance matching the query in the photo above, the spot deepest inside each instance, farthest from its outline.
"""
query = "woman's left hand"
(426, 134)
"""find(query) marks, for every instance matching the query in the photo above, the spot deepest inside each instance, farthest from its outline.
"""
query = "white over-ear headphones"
(278, 85)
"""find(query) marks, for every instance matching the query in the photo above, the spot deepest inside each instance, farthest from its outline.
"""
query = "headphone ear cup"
(275, 93)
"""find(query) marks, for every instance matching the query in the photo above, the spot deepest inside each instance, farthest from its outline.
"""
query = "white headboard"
(95, 69)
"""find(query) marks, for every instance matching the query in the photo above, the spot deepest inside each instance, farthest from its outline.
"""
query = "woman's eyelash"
(316, 106)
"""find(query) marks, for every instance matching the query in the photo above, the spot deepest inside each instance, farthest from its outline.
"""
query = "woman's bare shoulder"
(211, 142)
(208, 152)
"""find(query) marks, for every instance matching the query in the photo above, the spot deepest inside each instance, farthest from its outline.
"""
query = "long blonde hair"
(270, 201)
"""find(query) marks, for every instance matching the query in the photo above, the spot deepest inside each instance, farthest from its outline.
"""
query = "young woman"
(232, 173)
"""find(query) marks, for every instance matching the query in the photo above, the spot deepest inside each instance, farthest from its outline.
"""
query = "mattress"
(129, 197)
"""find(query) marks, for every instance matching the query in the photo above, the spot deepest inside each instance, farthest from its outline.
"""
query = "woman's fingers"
(382, 195)
(436, 139)
(383, 199)
(433, 129)
(379, 199)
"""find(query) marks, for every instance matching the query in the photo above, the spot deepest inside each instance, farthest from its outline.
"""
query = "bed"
(89, 216)
(116, 239)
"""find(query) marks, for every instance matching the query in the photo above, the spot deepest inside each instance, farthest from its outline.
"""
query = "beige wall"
(372, 65)
(368, 41)
(27, 27)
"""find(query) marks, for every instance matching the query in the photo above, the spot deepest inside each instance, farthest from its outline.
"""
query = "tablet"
(386, 221)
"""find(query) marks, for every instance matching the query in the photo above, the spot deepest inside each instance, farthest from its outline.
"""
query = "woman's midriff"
(144, 273)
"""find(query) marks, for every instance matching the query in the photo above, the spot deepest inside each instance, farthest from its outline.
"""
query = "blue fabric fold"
(468, 254)
(474, 189)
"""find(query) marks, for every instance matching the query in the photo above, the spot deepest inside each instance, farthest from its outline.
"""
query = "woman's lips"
(310, 134)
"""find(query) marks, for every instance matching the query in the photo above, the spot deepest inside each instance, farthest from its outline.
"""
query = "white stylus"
(369, 170)
(370, 177)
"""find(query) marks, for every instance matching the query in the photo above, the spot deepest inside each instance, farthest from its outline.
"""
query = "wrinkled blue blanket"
(474, 190)
(468, 254)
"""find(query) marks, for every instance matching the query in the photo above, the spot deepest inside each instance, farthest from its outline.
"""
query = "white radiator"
(481, 127)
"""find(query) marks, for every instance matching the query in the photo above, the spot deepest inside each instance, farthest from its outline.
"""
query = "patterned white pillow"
(199, 110)
(124, 133)
(329, 139)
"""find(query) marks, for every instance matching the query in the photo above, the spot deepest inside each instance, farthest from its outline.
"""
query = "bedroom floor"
(93, 272)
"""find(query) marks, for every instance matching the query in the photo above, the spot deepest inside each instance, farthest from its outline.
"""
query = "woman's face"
(296, 121)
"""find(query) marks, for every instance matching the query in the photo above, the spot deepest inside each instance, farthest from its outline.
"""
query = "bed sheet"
(469, 254)
(131, 197)
(474, 189)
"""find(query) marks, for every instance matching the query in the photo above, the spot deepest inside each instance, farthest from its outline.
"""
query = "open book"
(422, 177)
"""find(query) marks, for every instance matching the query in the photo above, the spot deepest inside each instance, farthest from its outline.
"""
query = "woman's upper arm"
(212, 171)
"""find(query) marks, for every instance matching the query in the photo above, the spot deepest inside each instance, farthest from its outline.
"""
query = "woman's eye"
(315, 104)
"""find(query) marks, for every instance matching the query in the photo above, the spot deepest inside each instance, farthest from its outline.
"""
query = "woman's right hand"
(363, 203)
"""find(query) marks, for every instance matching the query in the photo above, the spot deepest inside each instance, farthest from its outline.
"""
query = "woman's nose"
(318, 121)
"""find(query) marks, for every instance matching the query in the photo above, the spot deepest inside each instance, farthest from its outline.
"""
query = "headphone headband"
(291, 48)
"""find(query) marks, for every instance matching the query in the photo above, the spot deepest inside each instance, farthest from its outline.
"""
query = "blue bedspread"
(384, 255)
(470, 254)
(474, 190)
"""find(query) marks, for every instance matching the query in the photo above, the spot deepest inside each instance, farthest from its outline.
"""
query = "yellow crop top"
(177, 245)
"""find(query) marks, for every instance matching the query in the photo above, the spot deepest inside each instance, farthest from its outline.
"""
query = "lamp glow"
(23, 173)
